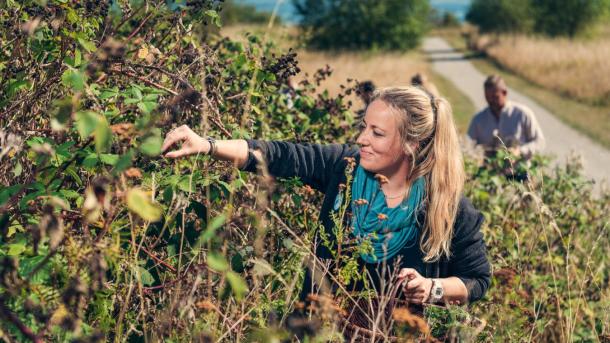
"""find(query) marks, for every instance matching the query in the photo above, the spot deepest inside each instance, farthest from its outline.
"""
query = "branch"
(143, 79)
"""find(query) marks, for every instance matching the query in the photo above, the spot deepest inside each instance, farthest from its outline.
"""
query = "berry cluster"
(283, 67)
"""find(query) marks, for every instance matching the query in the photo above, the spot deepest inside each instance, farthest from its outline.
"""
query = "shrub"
(355, 24)
(501, 15)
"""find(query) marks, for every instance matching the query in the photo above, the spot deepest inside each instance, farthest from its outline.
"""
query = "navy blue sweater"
(323, 168)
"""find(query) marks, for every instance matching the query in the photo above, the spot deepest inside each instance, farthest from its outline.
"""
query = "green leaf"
(238, 285)
(87, 45)
(217, 262)
(90, 161)
(109, 93)
(18, 169)
(109, 159)
(214, 225)
(140, 203)
(123, 162)
(145, 277)
(62, 114)
(86, 122)
(8, 192)
(151, 145)
(16, 249)
(214, 16)
(74, 79)
(147, 106)
(103, 135)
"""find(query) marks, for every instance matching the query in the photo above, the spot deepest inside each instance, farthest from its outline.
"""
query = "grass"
(591, 120)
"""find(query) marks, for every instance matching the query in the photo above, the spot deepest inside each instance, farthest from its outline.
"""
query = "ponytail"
(445, 183)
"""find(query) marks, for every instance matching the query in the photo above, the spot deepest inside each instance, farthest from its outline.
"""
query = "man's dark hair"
(495, 81)
(366, 87)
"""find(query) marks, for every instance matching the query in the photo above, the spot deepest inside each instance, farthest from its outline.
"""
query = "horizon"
(288, 13)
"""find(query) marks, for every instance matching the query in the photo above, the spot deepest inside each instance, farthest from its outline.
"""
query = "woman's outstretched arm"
(235, 150)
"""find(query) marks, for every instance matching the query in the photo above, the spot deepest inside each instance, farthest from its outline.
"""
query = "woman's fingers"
(172, 138)
(179, 153)
(408, 273)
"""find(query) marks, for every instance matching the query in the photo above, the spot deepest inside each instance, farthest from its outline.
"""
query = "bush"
(567, 17)
(550, 17)
(501, 15)
(356, 24)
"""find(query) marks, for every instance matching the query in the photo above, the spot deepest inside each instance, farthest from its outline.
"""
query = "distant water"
(288, 14)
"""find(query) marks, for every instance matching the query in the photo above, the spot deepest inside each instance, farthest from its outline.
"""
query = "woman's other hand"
(192, 143)
(415, 287)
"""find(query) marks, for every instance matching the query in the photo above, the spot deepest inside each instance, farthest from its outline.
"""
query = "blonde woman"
(406, 193)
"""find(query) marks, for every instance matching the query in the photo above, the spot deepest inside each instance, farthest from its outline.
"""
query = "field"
(569, 77)
(102, 238)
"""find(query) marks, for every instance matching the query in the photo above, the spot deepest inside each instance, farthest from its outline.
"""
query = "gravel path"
(561, 140)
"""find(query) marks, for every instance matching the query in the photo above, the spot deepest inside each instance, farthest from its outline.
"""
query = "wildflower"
(382, 216)
(403, 315)
(133, 173)
(308, 190)
(382, 179)
(361, 202)
(123, 130)
(350, 160)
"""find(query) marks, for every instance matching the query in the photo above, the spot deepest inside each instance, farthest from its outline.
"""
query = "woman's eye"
(378, 134)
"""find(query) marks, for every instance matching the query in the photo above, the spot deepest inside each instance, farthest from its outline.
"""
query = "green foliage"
(501, 15)
(356, 24)
(567, 17)
(550, 17)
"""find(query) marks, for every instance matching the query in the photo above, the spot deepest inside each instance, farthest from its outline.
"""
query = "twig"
(143, 79)
(135, 32)
(158, 260)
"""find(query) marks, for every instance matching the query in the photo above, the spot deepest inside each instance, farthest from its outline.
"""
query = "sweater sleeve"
(313, 163)
(469, 254)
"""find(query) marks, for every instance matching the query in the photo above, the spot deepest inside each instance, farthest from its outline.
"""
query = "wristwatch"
(436, 292)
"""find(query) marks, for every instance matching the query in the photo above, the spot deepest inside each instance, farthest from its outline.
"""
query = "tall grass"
(577, 68)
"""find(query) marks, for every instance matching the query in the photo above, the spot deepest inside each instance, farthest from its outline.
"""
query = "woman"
(406, 189)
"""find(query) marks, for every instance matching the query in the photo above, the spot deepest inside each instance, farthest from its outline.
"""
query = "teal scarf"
(388, 229)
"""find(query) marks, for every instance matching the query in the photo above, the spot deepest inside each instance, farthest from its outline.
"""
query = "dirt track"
(561, 140)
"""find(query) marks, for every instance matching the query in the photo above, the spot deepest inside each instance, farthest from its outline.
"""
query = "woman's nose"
(362, 140)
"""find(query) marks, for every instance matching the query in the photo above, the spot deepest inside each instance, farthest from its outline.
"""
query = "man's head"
(495, 93)
(365, 91)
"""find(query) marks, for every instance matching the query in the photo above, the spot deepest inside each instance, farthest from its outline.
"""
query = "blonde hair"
(427, 121)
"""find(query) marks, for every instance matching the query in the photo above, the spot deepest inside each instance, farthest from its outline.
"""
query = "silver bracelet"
(213, 147)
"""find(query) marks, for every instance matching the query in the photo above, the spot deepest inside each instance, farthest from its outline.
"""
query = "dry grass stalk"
(577, 68)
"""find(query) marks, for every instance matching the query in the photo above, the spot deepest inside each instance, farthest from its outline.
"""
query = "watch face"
(438, 292)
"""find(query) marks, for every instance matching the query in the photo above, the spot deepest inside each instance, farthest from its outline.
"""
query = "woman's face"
(381, 149)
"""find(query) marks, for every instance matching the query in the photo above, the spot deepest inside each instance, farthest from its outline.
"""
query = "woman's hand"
(415, 287)
(192, 143)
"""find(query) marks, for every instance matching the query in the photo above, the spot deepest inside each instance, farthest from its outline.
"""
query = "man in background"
(505, 124)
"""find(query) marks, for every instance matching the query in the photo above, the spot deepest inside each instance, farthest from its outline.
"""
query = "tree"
(363, 24)
(501, 15)
(567, 17)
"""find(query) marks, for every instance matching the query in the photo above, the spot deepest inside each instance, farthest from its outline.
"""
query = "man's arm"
(534, 138)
